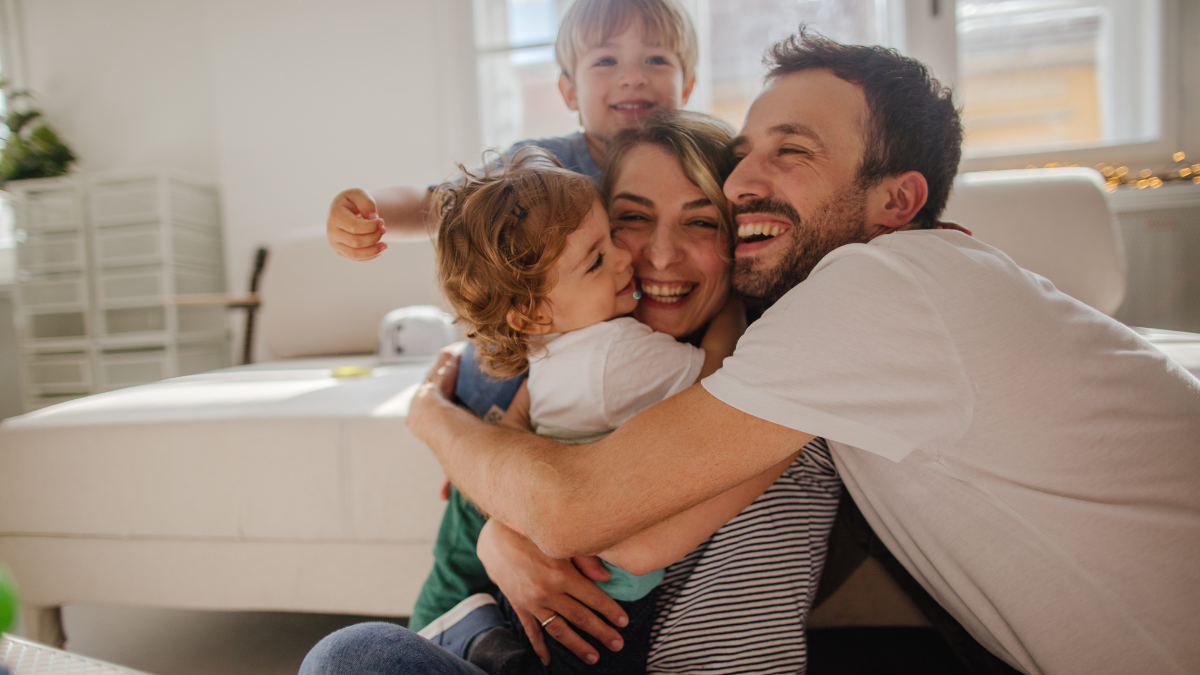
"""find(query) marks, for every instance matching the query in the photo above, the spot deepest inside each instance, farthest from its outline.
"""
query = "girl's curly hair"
(499, 235)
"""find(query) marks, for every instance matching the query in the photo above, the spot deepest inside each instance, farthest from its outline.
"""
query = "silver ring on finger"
(548, 621)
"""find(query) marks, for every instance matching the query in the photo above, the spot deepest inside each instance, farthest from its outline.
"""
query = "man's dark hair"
(912, 125)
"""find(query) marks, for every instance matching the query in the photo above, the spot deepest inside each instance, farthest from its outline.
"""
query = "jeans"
(379, 648)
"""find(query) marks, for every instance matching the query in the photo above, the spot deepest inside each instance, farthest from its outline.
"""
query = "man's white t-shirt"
(1033, 463)
(592, 380)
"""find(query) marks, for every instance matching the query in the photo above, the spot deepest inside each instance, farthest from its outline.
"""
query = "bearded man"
(1032, 463)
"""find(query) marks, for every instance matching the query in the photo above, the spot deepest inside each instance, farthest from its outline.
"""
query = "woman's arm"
(539, 586)
(722, 335)
(667, 542)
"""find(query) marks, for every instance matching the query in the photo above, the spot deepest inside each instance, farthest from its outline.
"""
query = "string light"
(1116, 177)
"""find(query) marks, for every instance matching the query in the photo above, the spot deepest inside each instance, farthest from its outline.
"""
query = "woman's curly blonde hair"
(499, 235)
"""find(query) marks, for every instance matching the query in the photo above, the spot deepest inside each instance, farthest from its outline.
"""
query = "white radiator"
(1161, 229)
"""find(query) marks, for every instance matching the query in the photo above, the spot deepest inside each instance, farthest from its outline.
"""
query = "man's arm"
(586, 498)
(358, 219)
(667, 542)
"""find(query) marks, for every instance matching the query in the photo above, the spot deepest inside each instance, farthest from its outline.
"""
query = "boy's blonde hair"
(499, 235)
(701, 144)
(592, 22)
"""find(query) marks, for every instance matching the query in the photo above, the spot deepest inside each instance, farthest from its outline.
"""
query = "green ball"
(8, 599)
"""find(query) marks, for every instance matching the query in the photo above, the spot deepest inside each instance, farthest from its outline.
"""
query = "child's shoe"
(455, 630)
(475, 630)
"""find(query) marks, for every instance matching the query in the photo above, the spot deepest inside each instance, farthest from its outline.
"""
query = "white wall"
(283, 102)
(125, 82)
(286, 102)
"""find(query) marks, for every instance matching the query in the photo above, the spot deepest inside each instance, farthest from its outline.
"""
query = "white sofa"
(277, 486)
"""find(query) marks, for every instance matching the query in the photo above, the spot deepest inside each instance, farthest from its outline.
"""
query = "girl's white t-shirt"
(1032, 462)
(592, 380)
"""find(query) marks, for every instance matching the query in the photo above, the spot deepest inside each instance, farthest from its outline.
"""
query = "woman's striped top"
(739, 603)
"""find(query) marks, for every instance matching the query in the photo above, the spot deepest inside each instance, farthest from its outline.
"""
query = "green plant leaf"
(16, 121)
(39, 153)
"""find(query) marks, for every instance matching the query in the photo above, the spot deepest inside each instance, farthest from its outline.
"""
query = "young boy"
(620, 60)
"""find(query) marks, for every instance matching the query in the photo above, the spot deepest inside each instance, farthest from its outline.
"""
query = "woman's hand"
(540, 587)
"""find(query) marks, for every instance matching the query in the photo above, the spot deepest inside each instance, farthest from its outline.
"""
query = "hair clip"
(519, 212)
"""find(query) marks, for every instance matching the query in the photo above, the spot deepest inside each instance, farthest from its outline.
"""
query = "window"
(734, 60)
(517, 74)
(518, 77)
(1059, 78)
(8, 253)
(1058, 74)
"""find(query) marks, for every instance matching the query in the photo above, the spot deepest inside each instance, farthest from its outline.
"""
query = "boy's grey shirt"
(571, 150)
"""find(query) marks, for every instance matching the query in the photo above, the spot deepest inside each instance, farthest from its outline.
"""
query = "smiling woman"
(667, 207)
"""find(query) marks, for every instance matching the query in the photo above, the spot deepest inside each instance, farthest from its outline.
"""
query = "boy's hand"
(539, 587)
(354, 227)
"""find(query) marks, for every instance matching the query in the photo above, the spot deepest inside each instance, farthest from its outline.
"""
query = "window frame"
(920, 26)
(917, 31)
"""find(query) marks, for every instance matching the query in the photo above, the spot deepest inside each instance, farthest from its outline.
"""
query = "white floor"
(178, 642)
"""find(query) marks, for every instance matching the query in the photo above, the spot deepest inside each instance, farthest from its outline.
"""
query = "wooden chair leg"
(44, 625)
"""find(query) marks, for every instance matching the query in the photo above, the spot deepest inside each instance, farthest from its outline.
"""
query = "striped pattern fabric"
(739, 603)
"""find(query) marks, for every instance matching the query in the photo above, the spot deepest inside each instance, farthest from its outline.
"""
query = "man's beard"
(836, 222)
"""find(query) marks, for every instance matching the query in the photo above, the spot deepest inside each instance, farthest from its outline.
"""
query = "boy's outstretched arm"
(358, 219)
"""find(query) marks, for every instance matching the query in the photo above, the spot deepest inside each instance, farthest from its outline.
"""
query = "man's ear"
(896, 200)
(539, 326)
(687, 90)
(567, 88)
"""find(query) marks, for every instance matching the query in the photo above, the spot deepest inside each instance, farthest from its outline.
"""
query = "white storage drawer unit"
(51, 290)
(52, 325)
(150, 243)
(160, 321)
(58, 373)
(48, 205)
(155, 283)
(100, 259)
(52, 252)
(127, 366)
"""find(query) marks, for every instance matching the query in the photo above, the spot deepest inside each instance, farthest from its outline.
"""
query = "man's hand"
(354, 227)
(444, 372)
(539, 587)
